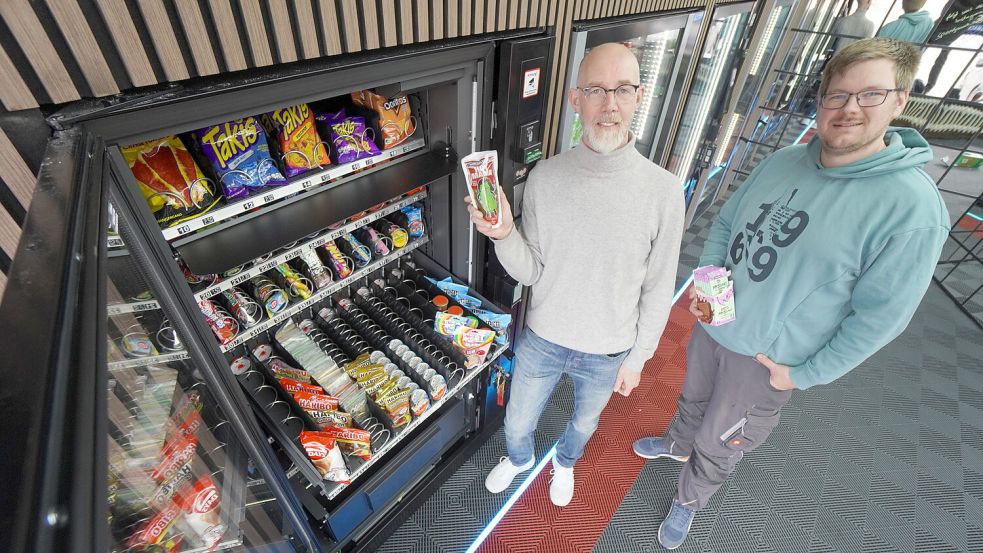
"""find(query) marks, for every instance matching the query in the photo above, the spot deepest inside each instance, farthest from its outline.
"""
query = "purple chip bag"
(240, 155)
(349, 136)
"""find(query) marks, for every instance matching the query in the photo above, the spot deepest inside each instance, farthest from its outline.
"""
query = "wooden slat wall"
(150, 42)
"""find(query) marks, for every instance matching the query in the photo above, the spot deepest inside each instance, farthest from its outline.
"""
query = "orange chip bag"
(171, 181)
(395, 120)
(300, 146)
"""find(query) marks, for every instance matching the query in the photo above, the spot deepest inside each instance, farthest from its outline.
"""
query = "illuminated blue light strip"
(805, 130)
(537, 469)
(977, 217)
(508, 504)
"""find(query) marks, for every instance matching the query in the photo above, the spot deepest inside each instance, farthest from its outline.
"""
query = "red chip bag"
(200, 503)
(351, 440)
(324, 454)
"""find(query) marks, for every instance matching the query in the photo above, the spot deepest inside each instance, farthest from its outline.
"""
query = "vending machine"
(250, 314)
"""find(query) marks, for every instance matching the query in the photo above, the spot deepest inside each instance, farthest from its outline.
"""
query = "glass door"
(692, 148)
(178, 477)
(663, 47)
(775, 24)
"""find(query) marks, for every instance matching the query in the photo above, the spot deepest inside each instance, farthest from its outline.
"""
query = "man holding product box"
(599, 244)
(831, 247)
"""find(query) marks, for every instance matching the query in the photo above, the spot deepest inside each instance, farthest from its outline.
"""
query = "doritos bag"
(395, 121)
(169, 178)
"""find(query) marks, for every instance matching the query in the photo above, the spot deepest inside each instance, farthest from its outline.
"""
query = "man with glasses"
(831, 247)
(599, 244)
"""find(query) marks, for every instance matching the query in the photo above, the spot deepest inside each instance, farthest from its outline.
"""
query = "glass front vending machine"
(245, 315)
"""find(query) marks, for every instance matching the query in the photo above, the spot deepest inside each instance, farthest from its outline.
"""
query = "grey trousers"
(727, 408)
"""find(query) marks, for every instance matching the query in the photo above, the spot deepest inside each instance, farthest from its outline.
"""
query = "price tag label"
(207, 220)
(114, 310)
(268, 265)
(183, 229)
(269, 198)
(240, 279)
(248, 205)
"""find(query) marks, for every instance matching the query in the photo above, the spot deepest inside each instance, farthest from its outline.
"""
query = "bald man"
(598, 244)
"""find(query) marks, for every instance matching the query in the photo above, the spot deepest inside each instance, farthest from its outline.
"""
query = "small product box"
(715, 295)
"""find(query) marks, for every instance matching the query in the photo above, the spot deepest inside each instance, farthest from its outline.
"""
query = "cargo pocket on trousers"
(750, 432)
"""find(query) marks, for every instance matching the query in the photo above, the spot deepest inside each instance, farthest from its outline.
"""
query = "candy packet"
(351, 440)
(172, 183)
(457, 291)
(324, 453)
(411, 218)
(315, 401)
(300, 146)
(481, 176)
(224, 326)
(201, 504)
(499, 322)
(240, 156)
(336, 259)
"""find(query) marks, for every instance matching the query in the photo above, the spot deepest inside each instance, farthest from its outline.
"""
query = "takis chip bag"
(395, 120)
(240, 156)
(172, 183)
(349, 136)
(300, 146)
(481, 175)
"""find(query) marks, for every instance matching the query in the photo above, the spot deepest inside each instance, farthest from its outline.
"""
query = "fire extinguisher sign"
(530, 83)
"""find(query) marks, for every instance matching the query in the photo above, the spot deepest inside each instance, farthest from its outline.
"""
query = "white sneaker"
(561, 485)
(504, 472)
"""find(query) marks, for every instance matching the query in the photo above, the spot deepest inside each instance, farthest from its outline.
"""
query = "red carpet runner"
(609, 467)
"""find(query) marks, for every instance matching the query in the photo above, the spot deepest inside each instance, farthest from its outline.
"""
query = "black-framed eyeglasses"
(865, 99)
(623, 94)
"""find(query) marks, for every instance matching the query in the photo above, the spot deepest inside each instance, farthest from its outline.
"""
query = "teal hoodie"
(911, 27)
(828, 264)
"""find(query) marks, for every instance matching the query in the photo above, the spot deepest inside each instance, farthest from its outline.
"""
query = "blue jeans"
(539, 364)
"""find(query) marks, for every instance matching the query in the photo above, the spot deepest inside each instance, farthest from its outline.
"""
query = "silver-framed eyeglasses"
(623, 94)
(865, 98)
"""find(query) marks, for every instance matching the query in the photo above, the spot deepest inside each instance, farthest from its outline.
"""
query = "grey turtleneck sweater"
(599, 244)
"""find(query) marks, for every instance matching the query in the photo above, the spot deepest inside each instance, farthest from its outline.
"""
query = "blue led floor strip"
(537, 469)
(515, 497)
(977, 217)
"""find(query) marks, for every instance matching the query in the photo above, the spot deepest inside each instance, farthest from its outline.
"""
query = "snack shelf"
(321, 294)
(333, 492)
(247, 204)
(152, 360)
(135, 307)
(268, 265)
(246, 238)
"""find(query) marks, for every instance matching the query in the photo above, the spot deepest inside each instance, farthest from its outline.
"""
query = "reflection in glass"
(706, 92)
(177, 478)
(656, 55)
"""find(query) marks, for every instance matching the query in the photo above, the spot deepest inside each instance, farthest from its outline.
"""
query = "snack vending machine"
(245, 316)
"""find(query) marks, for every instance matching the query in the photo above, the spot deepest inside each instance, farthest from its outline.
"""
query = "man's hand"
(627, 381)
(484, 227)
(780, 379)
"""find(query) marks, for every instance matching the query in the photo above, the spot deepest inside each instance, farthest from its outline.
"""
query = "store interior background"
(47, 61)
